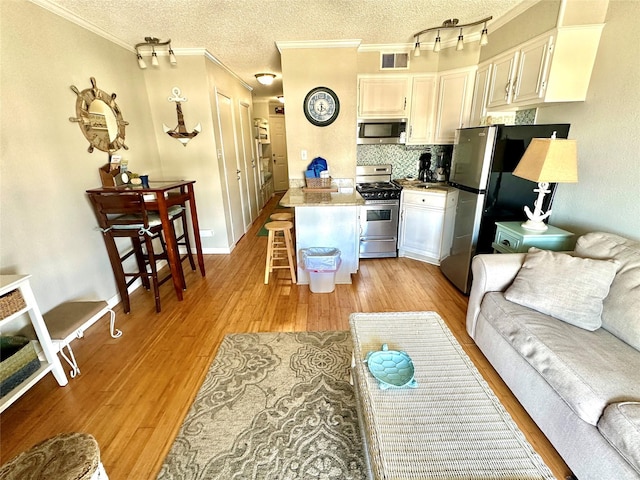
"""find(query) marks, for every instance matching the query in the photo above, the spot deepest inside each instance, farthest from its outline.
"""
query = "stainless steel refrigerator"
(481, 169)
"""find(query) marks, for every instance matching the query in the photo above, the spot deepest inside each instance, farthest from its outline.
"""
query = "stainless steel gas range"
(380, 212)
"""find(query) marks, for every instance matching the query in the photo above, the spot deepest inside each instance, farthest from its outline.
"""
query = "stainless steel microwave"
(378, 132)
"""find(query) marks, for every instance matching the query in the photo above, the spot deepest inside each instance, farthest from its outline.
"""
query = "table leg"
(196, 227)
(173, 257)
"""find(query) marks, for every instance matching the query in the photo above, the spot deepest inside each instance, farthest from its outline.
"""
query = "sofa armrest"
(491, 273)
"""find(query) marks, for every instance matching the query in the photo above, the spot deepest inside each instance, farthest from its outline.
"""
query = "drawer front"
(426, 199)
(508, 240)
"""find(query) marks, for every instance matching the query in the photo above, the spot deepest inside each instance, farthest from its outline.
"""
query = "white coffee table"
(451, 426)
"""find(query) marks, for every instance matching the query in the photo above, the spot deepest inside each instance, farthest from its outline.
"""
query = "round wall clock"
(321, 106)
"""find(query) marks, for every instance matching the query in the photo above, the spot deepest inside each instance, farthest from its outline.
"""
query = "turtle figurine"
(392, 369)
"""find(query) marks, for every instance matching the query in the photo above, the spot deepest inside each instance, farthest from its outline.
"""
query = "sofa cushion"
(589, 370)
(620, 425)
(567, 288)
(621, 313)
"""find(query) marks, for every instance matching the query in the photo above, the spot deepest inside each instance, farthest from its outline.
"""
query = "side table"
(512, 238)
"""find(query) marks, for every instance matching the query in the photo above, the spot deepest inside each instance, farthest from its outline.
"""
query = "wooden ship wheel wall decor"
(99, 118)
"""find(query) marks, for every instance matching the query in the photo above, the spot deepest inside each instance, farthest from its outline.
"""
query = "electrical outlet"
(303, 154)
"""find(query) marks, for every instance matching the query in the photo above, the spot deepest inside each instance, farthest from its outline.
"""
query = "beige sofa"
(563, 331)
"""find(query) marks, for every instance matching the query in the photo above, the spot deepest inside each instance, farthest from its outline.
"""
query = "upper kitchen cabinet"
(455, 91)
(554, 67)
(383, 96)
(480, 94)
(423, 102)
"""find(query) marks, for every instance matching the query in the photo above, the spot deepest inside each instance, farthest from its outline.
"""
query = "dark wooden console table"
(168, 194)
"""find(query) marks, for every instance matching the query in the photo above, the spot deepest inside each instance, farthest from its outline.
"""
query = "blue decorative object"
(391, 368)
(316, 166)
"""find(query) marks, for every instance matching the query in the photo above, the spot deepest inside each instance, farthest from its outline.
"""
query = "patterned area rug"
(275, 406)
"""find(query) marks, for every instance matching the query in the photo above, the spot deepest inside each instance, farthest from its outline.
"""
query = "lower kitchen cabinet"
(426, 223)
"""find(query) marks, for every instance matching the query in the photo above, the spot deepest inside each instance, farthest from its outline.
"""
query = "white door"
(279, 154)
(228, 154)
(250, 164)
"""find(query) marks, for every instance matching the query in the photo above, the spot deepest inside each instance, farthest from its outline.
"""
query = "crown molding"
(317, 44)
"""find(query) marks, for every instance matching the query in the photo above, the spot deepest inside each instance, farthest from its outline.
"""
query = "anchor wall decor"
(180, 131)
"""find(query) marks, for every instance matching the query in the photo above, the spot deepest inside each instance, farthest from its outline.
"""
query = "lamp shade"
(549, 160)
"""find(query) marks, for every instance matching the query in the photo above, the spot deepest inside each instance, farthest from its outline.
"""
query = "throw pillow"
(568, 288)
(621, 314)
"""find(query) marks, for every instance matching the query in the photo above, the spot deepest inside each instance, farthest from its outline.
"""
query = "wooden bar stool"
(279, 249)
(124, 215)
(284, 217)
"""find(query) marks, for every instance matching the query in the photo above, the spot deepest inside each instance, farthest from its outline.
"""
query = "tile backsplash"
(402, 158)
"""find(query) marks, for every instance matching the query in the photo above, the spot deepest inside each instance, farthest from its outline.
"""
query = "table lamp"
(546, 160)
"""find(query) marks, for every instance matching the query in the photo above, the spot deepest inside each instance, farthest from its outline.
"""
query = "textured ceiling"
(242, 33)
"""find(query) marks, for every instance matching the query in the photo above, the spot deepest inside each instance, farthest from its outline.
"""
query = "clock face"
(321, 106)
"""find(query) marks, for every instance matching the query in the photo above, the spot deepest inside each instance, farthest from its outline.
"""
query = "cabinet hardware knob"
(506, 243)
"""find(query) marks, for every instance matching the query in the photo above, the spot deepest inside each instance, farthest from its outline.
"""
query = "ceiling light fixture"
(448, 24)
(460, 44)
(437, 45)
(484, 37)
(151, 45)
(265, 78)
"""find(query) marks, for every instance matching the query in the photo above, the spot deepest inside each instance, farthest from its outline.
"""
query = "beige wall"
(303, 70)
(47, 227)
(198, 78)
(607, 129)
(540, 18)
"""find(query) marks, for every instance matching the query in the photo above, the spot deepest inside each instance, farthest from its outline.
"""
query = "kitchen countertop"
(417, 185)
(296, 197)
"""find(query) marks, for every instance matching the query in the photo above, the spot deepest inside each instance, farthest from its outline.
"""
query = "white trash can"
(322, 264)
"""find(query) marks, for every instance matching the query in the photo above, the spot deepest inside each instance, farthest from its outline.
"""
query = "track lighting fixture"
(484, 37)
(437, 45)
(449, 24)
(265, 78)
(151, 45)
(460, 44)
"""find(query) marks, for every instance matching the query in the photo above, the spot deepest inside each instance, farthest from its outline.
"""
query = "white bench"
(69, 320)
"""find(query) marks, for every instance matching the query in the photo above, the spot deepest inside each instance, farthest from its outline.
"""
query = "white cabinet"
(554, 67)
(423, 101)
(529, 80)
(480, 94)
(383, 96)
(424, 234)
(19, 285)
(455, 91)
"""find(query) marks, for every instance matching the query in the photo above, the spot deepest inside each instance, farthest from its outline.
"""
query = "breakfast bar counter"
(298, 197)
(327, 219)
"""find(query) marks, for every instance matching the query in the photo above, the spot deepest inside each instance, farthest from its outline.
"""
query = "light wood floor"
(134, 391)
